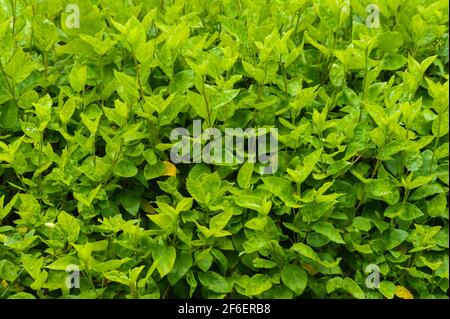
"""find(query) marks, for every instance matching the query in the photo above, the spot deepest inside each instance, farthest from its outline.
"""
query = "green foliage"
(86, 116)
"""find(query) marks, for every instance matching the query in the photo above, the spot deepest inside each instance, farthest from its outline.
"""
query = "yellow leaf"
(402, 248)
(5, 284)
(169, 169)
(403, 293)
(310, 268)
(147, 207)
(22, 230)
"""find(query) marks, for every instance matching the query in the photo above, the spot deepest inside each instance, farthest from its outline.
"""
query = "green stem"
(366, 71)
(436, 285)
(91, 281)
(296, 25)
(283, 69)
(208, 107)
(11, 86)
(100, 63)
(93, 152)
(407, 191)
(138, 73)
(377, 166)
(362, 200)
(45, 60)
(31, 26)
(436, 143)
(7, 288)
(14, 18)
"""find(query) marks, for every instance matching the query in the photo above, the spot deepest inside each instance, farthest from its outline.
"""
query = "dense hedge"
(86, 177)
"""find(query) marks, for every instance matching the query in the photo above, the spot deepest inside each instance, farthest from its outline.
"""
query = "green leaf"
(202, 185)
(394, 237)
(164, 221)
(295, 278)
(69, 225)
(6, 210)
(203, 259)
(281, 188)
(131, 201)
(22, 295)
(419, 181)
(413, 161)
(181, 266)
(109, 265)
(351, 286)
(63, 262)
(20, 66)
(165, 257)
(67, 110)
(258, 284)
(32, 265)
(328, 230)
(5, 93)
(437, 206)
(222, 98)
(263, 263)
(405, 211)
(257, 223)
(305, 250)
(127, 87)
(40, 280)
(300, 174)
(197, 102)
(150, 156)
(154, 171)
(361, 223)
(387, 288)
(384, 189)
(219, 221)
(9, 114)
(337, 74)
(393, 61)
(125, 168)
(346, 284)
(117, 276)
(215, 282)
(254, 202)
(77, 77)
(91, 125)
(182, 81)
(426, 191)
(184, 205)
(245, 175)
(8, 271)
(45, 33)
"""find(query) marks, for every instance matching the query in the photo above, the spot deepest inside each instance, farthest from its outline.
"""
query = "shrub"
(91, 91)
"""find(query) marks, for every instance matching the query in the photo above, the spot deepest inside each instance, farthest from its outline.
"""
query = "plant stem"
(32, 30)
(11, 86)
(436, 143)
(296, 25)
(45, 60)
(88, 274)
(7, 288)
(405, 198)
(14, 18)
(375, 170)
(364, 84)
(138, 73)
(208, 107)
